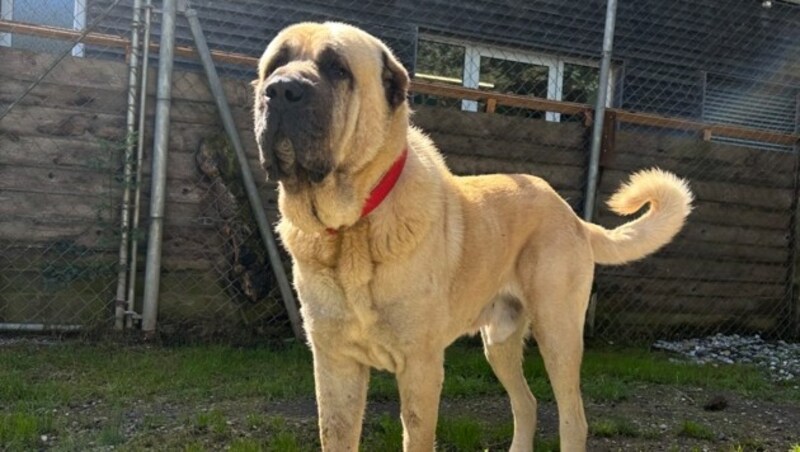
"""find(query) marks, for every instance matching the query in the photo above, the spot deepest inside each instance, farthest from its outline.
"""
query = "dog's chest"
(349, 322)
(367, 311)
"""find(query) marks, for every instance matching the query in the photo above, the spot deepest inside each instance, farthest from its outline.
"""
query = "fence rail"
(441, 89)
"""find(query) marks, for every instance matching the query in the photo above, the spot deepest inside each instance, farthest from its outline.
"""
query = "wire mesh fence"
(708, 90)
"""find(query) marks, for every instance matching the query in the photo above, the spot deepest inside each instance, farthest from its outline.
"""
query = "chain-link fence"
(708, 90)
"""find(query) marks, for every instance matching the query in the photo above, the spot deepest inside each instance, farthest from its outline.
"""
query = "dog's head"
(327, 98)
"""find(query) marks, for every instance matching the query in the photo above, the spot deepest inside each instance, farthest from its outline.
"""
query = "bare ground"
(657, 412)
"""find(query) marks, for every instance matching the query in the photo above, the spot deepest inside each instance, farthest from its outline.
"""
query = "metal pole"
(600, 110)
(247, 176)
(130, 122)
(137, 182)
(597, 137)
(166, 60)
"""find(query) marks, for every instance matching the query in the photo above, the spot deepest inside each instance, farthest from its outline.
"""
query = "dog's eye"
(337, 70)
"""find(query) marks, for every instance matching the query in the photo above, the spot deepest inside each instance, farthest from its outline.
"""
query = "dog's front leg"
(420, 385)
(341, 387)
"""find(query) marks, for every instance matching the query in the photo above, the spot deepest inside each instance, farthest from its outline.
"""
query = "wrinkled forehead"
(308, 41)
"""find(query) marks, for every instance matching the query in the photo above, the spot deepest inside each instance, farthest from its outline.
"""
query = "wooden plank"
(107, 40)
(56, 152)
(44, 206)
(731, 252)
(46, 31)
(23, 259)
(658, 305)
(709, 169)
(72, 71)
(193, 86)
(35, 120)
(679, 288)
(202, 112)
(724, 192)
(85, 233)
(747, 133)
(95, 100)
(711, 233)
(449, 143)
(194, 191)
(657, 146)
(558, 176)
(510, 100)
(56, 180)
(81, 78)
(186, 137)
(698, 268)
(491, 105)
(187, 243)
(650, 324)
(499, 127)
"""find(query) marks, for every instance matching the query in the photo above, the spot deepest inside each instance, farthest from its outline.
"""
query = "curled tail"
(670, 202)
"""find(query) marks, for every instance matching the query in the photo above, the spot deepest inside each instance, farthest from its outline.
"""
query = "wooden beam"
(438, 89)
(510, 100)
(647, 119)
(105, 40)
(46, 31)
(491, 105)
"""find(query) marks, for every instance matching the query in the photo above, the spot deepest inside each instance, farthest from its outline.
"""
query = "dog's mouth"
(291, 160)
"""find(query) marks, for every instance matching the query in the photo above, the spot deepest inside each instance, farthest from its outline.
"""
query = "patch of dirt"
(656, 412)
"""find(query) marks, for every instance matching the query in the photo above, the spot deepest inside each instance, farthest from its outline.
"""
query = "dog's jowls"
(441, 256)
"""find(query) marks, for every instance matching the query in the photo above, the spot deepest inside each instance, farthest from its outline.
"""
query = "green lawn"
(71, 396)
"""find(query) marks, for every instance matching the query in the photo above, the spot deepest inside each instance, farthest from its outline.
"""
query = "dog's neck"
(382, 188)
(343, 199)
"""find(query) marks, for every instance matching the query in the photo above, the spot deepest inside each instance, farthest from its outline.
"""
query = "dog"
(394, 257)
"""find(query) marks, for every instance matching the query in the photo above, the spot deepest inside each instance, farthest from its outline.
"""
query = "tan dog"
(439, 257)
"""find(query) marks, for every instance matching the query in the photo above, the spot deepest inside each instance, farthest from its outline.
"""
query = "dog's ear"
(395, 80)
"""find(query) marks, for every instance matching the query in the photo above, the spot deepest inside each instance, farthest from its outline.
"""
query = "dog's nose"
(285, 92)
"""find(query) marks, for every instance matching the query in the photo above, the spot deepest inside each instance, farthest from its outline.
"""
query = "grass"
(462, 434)
(22, 430)
(609, 428)
(212, 421)
(692, 429)
(38, 385)
(385, 434)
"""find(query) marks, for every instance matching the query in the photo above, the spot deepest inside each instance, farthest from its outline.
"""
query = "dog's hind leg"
(557, 306)
(505, 357)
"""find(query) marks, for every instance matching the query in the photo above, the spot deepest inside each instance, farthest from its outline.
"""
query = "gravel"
(780, 359)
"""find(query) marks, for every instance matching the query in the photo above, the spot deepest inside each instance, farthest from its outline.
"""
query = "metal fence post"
(599, 111)
(121, 307)
(137, 180)
(160, 148)
(597, 138)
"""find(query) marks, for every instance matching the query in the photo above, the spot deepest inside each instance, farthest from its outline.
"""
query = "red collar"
(384, 187)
